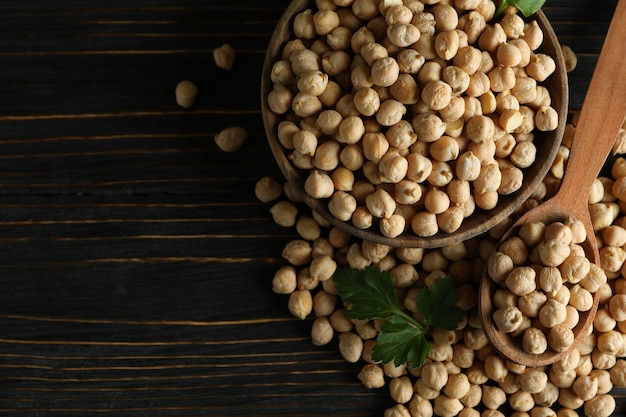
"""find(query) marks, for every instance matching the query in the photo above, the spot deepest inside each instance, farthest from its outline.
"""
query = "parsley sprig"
(527, 7)
(371, 294)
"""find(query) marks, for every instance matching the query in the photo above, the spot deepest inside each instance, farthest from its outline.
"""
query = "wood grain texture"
(136, 262)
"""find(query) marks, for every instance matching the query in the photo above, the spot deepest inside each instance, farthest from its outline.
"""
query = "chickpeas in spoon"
(556, 224)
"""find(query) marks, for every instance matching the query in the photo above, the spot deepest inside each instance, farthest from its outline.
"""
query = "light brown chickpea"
(447, 44)
(390, 112)
(303, 26)
(401, 135)
(428, 127)
(403, 34)
(429, 72)
(501, 79)
(534, 341)
(410, 61)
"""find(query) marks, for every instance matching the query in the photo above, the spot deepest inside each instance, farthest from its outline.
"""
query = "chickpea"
(540, 67)
(447, 44)
(480, 128)
(231, 139)
(405, 89)
(186, 93)
(560, 338)
(534, 341)
(284, 213)
(300, 303)
(403, 34)
(602, 405)
(372, 376)
(401, 135)
(390, 112)
(546, 119)
(410, 61)
(428, 127)
(501, 79)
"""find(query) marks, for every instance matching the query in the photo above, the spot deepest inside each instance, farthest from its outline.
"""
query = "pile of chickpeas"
(408, 114)
(545, 280)
(463, 375)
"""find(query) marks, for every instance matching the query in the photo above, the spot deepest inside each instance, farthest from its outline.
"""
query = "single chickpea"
(403, 34)
(390, 112)
(501, 79)
(284, 213)
(430, 71)
(488, 180)
(186, 93)
(224, 56)
(405, 89)
(479, 84)
(447, 44)
(342, 205)
(410, 61)
(385, 72)
(569, 57)
(521, 280)
(560, 338)
(407, 192)
(493, 397)
(300, 304)
(319, 185)
(326, 156)
(541, 66)
(372, 376)
(480, 128)
(331, 95)
(339, 38)
(507, 319)
(602, 405)
(491, 38)
(401, 135)
(231, 139)
(552, 313)
(424, 224)
(546, 119)
(534, 341)
(362, 218)
(428, 127)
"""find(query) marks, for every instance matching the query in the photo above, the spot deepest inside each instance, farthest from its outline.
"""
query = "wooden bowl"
(480, 221)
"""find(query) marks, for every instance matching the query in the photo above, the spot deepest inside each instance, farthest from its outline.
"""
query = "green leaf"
(399, 342)
(527, 7)
(437, 304)
(370, 292)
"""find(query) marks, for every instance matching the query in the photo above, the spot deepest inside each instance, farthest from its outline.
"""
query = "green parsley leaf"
(399, 341)
(527, 7)
(437, 304)
(370, 292)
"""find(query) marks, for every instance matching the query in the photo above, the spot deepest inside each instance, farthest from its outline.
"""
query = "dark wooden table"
(135, 260)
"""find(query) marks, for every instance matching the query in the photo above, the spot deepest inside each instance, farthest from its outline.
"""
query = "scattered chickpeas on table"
(544, 275)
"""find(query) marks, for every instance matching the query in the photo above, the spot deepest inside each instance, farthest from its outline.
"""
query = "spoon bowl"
(481, 220)
(600, 119)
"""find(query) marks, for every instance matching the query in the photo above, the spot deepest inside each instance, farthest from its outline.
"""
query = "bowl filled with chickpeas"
(413, 123)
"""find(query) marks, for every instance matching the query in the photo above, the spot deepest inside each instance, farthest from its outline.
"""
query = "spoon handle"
(602, 113)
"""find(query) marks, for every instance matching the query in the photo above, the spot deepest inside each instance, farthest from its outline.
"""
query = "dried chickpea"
(602, 405)
(231, 139)
(186, 93)
(321, 331)
(224, 56)
(372, 376)
(300, 303)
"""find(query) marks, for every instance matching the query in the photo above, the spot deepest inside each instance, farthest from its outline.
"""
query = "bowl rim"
(477, 223)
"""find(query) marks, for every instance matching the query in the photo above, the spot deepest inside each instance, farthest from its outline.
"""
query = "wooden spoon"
(601, 117)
